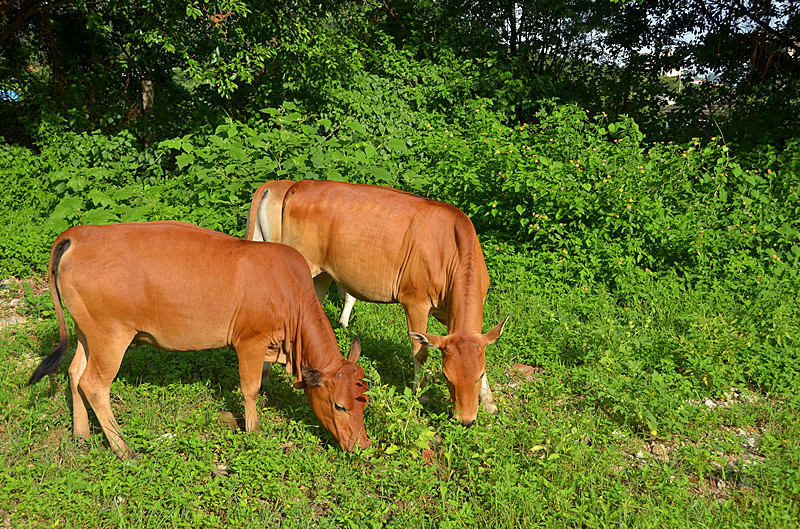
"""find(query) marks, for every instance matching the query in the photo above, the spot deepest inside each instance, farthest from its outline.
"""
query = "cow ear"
(431, 341)
(355, 350)
(495, 333)
(312, 377)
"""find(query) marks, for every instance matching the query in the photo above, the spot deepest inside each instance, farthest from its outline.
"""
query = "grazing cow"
(388, 246)
(183, 288)
(264, 224)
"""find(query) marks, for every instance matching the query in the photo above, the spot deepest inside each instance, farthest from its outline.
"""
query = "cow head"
(463, 364)
(338, 398)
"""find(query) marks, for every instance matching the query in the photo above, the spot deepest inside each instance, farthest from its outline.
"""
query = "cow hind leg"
(104, 358)
(349, 302)
(322, 282)
(80, 416)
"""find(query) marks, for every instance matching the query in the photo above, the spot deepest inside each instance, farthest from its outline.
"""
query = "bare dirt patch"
(12, 299)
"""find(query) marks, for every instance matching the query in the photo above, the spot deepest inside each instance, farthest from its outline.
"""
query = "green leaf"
(100, 198)
(317, 158)
(99, 216)
(397, 145)
(422, 443)
(238, 153)
(184, 159)
(173, 143)
(355, 126)
(335, 176)
(125, 193)
(379, 173)
(67, 207)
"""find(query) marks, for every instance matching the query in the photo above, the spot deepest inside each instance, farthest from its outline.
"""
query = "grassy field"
(585, 435)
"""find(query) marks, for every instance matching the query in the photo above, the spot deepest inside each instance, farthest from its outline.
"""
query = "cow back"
(180, 286)
(386, 245)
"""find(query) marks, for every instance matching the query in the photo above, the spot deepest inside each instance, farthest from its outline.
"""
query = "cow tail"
(51, 363)
(252, 216)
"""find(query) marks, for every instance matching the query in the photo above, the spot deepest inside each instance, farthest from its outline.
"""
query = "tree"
(127, 58)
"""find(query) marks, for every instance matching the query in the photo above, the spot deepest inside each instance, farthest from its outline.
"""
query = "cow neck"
(315, 342)
(465, 294)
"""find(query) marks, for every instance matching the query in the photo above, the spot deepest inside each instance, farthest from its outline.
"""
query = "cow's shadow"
(217, 369)
(386, 360)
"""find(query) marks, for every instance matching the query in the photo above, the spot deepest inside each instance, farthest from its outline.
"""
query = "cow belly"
(181, 339)
(366, 291)
(376, 277)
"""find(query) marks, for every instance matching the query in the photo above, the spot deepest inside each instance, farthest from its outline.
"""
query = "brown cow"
(388, 246)
(183, 288)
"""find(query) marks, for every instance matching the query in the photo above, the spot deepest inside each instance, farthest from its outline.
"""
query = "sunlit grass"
(605, 432)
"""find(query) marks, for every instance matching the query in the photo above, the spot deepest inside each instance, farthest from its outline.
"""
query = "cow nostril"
(467, 424)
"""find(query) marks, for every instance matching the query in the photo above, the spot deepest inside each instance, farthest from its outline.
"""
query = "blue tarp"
(8, 95)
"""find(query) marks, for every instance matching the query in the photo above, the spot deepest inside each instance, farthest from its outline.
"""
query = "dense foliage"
(580, 201)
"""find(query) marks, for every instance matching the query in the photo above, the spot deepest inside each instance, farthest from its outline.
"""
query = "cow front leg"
(251, 368)
(487, 399)
(417, 319)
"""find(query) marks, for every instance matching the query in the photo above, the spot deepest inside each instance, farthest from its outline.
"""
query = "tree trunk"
(148, 103)
(148, 96)
(513, 36)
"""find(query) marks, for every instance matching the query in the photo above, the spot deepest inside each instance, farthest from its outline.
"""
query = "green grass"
(638, 414)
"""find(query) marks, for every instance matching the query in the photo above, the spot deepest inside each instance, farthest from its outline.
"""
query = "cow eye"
(339, 408)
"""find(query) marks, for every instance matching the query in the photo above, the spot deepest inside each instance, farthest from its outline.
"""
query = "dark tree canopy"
(165, 65)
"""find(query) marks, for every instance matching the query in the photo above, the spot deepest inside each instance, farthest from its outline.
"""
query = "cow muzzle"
(361, 442)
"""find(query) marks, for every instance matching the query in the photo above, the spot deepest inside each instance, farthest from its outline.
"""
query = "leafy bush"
(597, 205)
(572, 208)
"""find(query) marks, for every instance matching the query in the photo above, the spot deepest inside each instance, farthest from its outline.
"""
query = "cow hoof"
(491, 409)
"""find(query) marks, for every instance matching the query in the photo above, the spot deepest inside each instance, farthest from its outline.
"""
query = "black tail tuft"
(51, 363)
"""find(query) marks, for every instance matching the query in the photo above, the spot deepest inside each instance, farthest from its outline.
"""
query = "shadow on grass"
(386, 360)
(217, 369)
